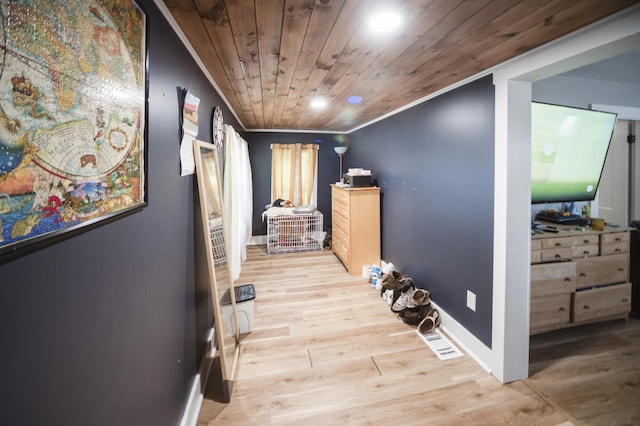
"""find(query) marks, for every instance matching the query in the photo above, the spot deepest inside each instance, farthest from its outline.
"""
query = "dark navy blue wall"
(435, 166)
(260, 156)
(108, 327)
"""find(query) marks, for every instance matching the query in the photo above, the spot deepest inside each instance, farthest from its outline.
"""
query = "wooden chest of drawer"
(355, 222)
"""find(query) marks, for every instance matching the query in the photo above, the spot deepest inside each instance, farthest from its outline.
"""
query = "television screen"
(568, 150)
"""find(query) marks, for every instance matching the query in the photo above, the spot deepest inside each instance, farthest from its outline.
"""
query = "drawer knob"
(585, 242)
(558, 245)
(618, 239)
(557, 256)
(618, 250)
(567, 280)
(625, 300)
(561, 309)
(620, 269)
(585, 308)
(586, 253)
(582, 275)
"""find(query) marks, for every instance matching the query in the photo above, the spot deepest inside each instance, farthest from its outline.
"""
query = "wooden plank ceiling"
(271, 57)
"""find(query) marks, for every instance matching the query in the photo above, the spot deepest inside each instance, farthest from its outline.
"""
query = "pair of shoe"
(420, 297)
(415, 314)
(392, 280)
(403, 295)
(430, 322)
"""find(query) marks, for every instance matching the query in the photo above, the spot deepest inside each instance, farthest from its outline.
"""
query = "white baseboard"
(257, 240)
(467, 341)
(196, 396)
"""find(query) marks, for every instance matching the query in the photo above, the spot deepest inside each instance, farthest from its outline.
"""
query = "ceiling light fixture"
(318, 103)
(384, 21)
(354, 100)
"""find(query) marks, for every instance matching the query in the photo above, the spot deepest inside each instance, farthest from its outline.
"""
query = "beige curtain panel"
(293, 172)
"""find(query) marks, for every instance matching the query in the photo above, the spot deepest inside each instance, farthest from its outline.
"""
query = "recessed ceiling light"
(354, 100)
(318, 103)
(384, 21)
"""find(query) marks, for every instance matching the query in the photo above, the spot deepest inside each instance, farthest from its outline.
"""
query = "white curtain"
(238, 198)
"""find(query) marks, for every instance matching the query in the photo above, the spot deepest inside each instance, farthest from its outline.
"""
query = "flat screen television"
(568, 149)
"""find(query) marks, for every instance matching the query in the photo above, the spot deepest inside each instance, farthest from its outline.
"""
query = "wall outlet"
(471, 300)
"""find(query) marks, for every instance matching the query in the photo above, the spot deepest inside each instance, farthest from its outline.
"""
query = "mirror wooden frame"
(216, 246)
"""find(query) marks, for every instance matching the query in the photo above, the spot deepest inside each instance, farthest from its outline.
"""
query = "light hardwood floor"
(325, 349)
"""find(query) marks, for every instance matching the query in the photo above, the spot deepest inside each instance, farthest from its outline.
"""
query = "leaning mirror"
(221, 285)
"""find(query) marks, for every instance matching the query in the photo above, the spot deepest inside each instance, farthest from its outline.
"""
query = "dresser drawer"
(550, 311)
(340, 196)
(585, 251)
(602, 302)
(339, 235)
(602, 270)
(614, 248)
(557, 254)
(556, 243)
(615, 237)
(341, 222)
(585, 240)
(341, 251)
(553, 278)
(614, 243)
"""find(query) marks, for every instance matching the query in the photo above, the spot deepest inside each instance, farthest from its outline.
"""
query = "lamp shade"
(340, 150)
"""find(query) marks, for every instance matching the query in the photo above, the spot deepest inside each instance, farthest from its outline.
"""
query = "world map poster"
(72, 116)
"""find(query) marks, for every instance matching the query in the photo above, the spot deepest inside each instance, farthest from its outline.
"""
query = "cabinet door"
(602, 302)
(553, 278)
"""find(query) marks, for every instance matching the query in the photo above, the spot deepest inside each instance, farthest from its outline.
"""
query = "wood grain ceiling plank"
(191, 25)
(321, 23)
(269, 15)
(441, 19)
(242, 20)
(216, 22)
(538, 24)
(359, 51)
(294, 27)
(411, 85)
(365, 76)
(289, 54)
(363, 48)
(524, 15)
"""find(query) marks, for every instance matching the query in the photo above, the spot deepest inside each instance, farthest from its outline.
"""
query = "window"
(294, 173)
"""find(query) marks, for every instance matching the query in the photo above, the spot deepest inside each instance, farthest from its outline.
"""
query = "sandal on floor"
(430, 322)
(420, 297)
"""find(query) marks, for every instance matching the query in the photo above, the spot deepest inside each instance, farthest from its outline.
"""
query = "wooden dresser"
(355, 230)
(579, 277)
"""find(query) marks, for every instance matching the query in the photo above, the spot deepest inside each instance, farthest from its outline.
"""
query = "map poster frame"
(73, 118)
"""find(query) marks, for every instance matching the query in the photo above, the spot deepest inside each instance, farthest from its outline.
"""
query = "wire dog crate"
(217, 242)
(295, 233)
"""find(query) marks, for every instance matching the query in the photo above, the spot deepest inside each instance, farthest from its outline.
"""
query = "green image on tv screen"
(568, 149)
